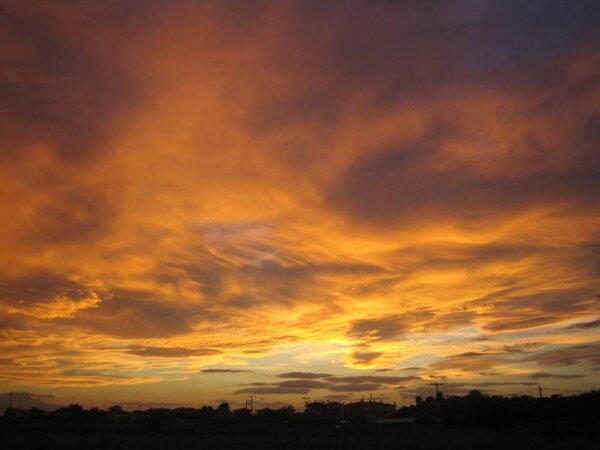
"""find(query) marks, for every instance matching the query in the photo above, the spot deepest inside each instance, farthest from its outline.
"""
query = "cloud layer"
(301, 190)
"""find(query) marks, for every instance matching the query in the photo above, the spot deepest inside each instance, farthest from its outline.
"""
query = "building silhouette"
(360, 411)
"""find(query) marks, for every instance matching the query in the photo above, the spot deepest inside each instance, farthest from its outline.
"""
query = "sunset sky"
(202, 201)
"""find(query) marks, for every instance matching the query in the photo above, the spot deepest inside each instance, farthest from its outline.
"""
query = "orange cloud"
(290, 189)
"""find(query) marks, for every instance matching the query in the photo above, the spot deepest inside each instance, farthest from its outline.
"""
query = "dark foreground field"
(547, 436)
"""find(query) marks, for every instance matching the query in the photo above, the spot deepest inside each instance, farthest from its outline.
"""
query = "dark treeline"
(115, 418)
(477, 409)
(474, 409)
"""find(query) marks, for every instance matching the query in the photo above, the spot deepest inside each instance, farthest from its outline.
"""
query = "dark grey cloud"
(567, 356)
(304, 375)
(527, 347)
(448, 320)
(86, 377)
(299, 386)
(57, 88)
(131, 314)
(272, 390)
(69, 215)
(512, 311)
(471, 361)
(278, 281)
(309, 384)
(38, 293)
(273, 280)
(583, 325)
(224, 370)
(365, 357)
(389, 327)
(117, 312)
(542, 375)
(482, 362)
(12, 322)
(372, 379)
(408, 52)
(393, 327)
(41, 287)
(396, 186)
(363, 383)
(170, 352)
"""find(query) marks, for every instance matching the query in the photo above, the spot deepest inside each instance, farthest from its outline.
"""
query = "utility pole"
(306, 401)
(251, 405)
(540, 390)
(437, 385)
(10, 399)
